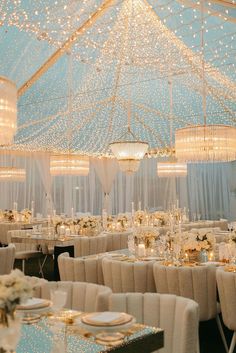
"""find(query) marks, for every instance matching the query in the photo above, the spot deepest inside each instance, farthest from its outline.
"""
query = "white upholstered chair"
(80, 269)
(197, 283)
(7, 258)
(87, 297)
(176, 315)
(89, 245)
(25, 251)
(123, 276)
(226, 282)
(117, 241)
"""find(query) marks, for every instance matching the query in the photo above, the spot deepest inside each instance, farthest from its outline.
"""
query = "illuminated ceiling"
(121, 50)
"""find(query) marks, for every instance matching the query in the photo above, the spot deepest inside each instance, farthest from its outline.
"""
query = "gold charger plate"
(106, 319)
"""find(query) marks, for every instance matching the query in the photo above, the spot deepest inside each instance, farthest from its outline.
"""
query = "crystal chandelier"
(8, 110)
(129, 152)
(171, 168)
(69, 164)
(205, 143)
(12, 174)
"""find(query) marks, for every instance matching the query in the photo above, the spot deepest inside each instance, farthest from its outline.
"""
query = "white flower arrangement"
(199, 239)
(15, 289)
(161, 217)
(9, 215)
(146, 235)
(26, 213)
(88, 222)
(122, 220)
(140, 217)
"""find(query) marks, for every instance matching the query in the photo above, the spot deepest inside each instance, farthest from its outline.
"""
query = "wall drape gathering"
(209, 191)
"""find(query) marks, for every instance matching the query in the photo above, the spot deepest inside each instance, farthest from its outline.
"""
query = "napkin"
(106, 318)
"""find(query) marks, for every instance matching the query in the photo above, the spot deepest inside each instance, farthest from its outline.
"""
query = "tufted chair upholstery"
(176, 315)
(7, 258)
(90, 245)
(123, 276)
(87, 297)
(117, 241)
(197, 283)
(226, 282)
(80, 269)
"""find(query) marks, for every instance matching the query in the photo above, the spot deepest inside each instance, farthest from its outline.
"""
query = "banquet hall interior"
(117, 176)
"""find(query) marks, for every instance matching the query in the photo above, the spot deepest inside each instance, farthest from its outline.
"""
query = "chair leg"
(23, 265)
(198, 346)
(232, 344)
(40, 269)
(221, 332)
(44, 261)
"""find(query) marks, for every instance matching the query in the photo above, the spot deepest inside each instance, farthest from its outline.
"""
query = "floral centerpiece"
(9, 215)
(122, 222)
(88, 225)
(15, 289)
(140, 217)
(26, 215)
(160, 218)
(145, 240)
(197, 240)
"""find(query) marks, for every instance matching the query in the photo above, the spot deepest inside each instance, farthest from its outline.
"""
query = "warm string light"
(174, 31)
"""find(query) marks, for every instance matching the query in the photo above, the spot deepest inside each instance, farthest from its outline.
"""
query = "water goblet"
(58, 298)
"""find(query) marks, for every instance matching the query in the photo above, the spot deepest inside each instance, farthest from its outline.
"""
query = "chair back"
(21, 246)
(117, 241)
(176, 315)
(197, 283)
(226, 283)
(87, 297)
(123, 276)
(7, 258)
(89, 245)
(80, 269)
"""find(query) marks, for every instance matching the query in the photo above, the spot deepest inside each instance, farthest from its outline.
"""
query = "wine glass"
(58, 298)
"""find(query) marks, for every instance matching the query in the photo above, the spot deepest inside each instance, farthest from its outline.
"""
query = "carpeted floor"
(210, 340)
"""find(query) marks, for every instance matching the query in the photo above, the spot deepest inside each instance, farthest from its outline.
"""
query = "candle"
(211, 256)
(62, 230)
(54, 213)
(67, 232)
(141, 250)
(179, 227)
(72, 212)
(15, 206)
(104, 219)
(139, 205)
(177, 203)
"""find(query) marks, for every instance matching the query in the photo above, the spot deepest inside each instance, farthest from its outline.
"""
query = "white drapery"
(208, 190)
(106, 169)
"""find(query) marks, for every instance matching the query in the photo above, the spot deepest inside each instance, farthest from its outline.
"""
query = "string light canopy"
(12, 174)
(171, 168)
(205, 143)
(8, 110)
(69, 164)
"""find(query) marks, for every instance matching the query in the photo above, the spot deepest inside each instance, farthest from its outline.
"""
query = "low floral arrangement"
(69, 223)
(146, 236)
(122, 221)
(161, 218)
(88, 222)
(9, 215)
(140, 217)
(26, 215)
(15, 289)
(198, 240)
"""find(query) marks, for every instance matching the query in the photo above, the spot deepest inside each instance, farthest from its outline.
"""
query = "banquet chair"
(117, 241)
(25, 251)
(124, 276)
(7, 258)
(89, 245)
(80, 269)
(197, 283)
(226, 283)
(177, 316)
(87, 297)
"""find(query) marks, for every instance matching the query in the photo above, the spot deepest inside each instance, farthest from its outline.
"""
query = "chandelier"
(171, 169)
(69, 164)
(129, 152)
(8, 111)
(205, 143)
(12, 174)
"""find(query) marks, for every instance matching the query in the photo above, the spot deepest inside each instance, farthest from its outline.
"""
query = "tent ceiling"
(121, 50)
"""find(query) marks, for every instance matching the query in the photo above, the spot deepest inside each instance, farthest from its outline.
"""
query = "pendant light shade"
(204, 143)
(69, 164)
(8, 111)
